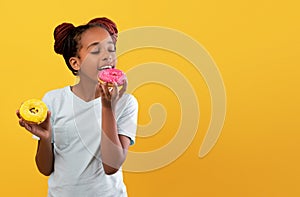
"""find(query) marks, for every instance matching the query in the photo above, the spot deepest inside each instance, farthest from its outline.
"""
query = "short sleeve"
(127, 120)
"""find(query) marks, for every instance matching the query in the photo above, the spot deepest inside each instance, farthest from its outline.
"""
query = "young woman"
(90, 126)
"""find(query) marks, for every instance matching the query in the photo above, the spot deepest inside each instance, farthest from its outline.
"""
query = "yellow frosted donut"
(34, 111)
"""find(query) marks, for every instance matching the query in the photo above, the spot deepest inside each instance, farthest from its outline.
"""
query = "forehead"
(94, 34)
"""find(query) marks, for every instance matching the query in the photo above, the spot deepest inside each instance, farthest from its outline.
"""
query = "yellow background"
(256, 46)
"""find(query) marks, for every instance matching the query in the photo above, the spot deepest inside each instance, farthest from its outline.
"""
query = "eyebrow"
(96, 43)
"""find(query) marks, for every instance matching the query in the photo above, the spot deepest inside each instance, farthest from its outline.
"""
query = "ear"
(75, 63)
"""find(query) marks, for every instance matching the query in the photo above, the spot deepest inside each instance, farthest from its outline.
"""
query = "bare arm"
(44, 158)
(114, 147)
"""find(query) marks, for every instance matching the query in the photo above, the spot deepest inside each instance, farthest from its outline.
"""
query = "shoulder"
(53, 96)
(129, 99)
(127, 104)
(56, 93)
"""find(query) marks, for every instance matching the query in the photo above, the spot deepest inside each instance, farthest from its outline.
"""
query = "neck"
(86, 91)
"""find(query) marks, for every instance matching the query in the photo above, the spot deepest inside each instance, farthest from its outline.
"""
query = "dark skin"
(97, 51)
(44, 156)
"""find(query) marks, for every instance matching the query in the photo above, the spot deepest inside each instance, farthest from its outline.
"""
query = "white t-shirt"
(76, 128)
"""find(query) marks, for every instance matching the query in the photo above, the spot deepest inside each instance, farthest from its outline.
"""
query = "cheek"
(91, 60)
(113, 55)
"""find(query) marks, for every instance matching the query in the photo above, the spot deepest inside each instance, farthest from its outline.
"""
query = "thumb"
(46, 123)
(115, 90)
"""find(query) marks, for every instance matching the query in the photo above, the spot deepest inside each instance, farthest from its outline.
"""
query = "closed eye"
(111, 48)
(95, 52)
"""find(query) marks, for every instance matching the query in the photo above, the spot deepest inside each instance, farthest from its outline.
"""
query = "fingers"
(27, 126)
(35, 129)
(98, 91)
(21, 122)
(43, 130)
(46, 123)
(115, 91)
(124, 88)
(112, 93)
(32, 128)
(18, 114)
(105, 93)
(48, 116)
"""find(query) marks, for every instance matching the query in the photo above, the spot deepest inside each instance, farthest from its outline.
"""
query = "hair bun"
(61, 32)
(110, 26)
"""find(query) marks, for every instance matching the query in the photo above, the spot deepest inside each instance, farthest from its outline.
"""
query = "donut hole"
(34, 110)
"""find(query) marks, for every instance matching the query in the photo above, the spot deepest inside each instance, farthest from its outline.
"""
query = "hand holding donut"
(110, 81)
(34, 116)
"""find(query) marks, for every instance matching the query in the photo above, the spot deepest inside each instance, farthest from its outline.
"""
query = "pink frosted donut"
(112, 75)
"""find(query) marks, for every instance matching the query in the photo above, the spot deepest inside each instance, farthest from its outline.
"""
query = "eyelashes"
(111, 50)
(97, 51)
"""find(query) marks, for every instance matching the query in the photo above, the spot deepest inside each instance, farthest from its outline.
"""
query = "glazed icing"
(112, 75)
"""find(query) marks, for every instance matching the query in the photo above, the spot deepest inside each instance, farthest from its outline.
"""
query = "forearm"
(112, 151)
(44, 157)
